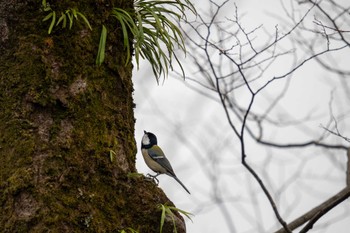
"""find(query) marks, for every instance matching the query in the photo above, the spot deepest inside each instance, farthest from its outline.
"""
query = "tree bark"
(60, 117)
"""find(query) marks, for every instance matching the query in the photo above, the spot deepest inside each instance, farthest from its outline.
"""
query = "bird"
(155, 158)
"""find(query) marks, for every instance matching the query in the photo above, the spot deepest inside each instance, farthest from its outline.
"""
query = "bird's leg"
(153, 178)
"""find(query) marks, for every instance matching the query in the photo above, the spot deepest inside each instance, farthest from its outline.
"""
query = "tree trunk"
(61, 116)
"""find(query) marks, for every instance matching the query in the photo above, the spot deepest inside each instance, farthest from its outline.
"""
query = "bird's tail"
(177, 179)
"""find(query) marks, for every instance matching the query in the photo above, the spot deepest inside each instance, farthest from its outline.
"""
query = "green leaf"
(70, 17)
(112, 155)
(62, 18)
(74, 12)
(64, 24)
(168, 211)
(45, 5)
(162, 218)
(70, 13)
(102, 46)
(84, 19)
(127, 22)
(153, 30)
(47, 17)
(53, 21)
(128, 230)
(187, 214)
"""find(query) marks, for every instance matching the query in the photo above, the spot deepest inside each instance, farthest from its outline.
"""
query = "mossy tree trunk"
(60, 116)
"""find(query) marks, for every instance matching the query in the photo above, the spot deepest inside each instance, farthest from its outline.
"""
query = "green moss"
(55, 139)
(19, 180)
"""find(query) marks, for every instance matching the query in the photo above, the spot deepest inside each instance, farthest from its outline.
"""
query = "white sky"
(210, 152)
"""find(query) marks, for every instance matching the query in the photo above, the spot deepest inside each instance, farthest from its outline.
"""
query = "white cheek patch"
(145, 140)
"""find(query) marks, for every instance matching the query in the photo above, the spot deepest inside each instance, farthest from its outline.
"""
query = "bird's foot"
(152, 178)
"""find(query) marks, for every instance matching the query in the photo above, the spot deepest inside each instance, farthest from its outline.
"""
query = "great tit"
(155, 158)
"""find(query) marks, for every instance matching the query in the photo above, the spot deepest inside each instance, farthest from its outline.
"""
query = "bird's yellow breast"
(151, 163)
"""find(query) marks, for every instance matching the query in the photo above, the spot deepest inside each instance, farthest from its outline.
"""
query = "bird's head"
(148, 140)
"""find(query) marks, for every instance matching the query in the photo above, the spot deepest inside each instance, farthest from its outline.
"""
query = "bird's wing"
(156, 153)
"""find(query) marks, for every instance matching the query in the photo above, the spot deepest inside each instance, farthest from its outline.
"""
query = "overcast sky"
(195, 136)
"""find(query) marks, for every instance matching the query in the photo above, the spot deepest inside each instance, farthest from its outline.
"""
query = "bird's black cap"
(152, 138)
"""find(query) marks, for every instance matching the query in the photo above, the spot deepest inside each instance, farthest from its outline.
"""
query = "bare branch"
(319, 211)
(286, 228)
(227, 56)
(336, 132)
